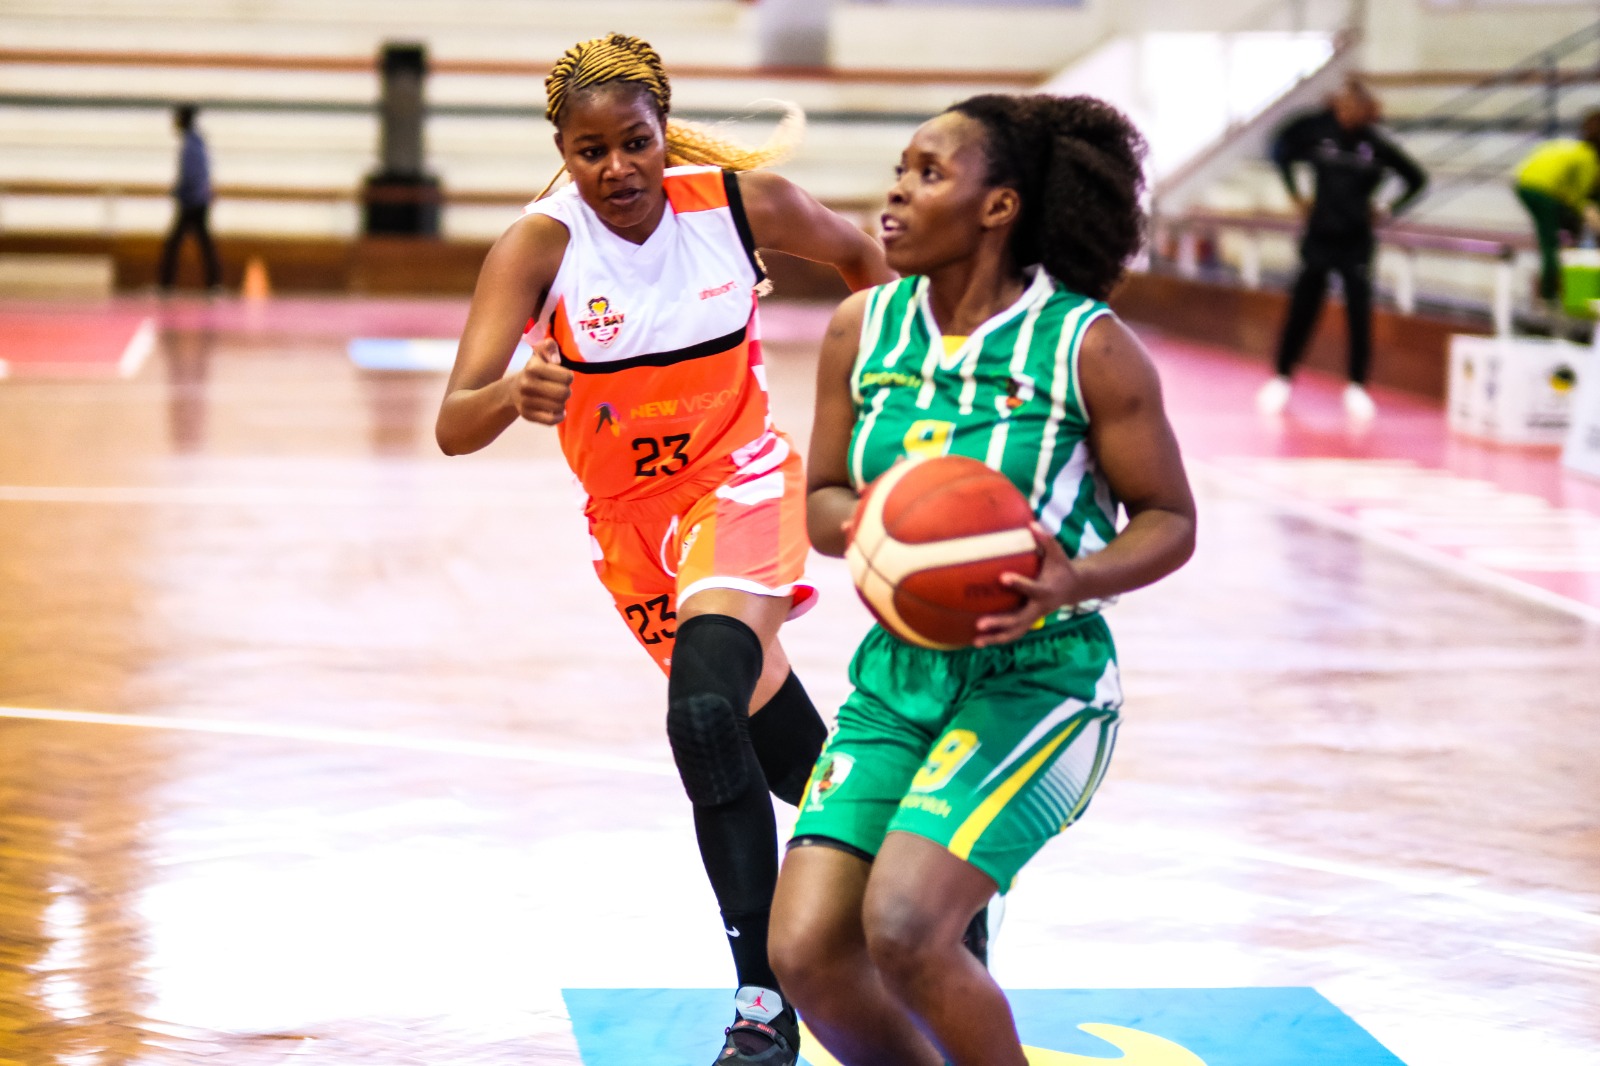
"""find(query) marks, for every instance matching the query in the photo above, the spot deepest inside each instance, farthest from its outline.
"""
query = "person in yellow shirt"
(1557, 183)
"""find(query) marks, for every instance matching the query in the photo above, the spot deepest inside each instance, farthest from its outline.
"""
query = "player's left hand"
(1056, 586)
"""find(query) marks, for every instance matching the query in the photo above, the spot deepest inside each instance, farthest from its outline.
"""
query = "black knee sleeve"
(716, 662)
(787, 734)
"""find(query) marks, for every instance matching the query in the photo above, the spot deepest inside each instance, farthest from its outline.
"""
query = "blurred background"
(292, 97)
(317, 746)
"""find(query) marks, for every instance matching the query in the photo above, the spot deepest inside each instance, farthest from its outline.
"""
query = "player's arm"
(1136, 450)
(785, 218)
(480, 400)
(1292, 145)
(1410, 171)
(830, 497)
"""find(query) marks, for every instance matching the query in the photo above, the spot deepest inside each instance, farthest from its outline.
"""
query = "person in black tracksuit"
(1349, 160)
(193, 195)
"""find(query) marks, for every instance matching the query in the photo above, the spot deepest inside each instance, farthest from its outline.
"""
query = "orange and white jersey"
(662, 339)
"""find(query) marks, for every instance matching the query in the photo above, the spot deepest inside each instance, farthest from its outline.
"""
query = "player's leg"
(716, 663)
(1546, 212)
(900, 699)
(1018, 762)
(167, 271)
(1305, 303)
(820, 950)
(916, 911)
(208, 248)
(785, 728)
(1355, 272)
(741, 562)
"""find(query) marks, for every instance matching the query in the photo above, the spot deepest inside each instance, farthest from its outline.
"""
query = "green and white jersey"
(1008, 396)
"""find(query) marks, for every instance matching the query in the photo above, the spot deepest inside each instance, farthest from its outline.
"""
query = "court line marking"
(268, 495)
(354, 737)
(1417, 551)
(1208, 845)
(139, 347)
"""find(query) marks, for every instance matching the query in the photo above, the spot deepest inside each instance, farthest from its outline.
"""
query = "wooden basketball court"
(318, 747)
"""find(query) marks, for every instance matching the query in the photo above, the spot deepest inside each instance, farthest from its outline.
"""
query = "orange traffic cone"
(256, 286)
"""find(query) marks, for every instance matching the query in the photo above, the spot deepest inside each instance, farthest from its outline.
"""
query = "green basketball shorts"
(988, 752)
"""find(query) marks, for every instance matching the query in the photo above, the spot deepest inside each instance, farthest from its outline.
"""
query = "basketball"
(930, 539)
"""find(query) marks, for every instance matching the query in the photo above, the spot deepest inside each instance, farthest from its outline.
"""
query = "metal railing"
(1411, 240)
(112, 195)
(1523, 100)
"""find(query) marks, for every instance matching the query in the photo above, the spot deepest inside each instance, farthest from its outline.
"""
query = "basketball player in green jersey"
(1011, 219)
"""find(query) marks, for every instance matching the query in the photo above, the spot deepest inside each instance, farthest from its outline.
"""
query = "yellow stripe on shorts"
(965, 837)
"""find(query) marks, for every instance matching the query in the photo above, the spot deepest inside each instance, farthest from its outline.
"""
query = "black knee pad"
(708, 744)
(716, 661)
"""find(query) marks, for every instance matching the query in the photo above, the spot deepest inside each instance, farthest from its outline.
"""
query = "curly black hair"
(1077, 164)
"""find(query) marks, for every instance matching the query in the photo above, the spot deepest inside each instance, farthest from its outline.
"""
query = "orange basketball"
(931, 538)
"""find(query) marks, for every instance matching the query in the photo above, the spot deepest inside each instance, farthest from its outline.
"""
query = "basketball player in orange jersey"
(1012, 218)
(640, 280)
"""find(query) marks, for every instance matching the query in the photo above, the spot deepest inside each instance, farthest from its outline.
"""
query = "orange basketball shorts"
(740, 527)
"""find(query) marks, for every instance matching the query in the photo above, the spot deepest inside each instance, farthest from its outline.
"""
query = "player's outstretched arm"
(480, 400)
(830, 497)
(785, 218)
(1136, 450)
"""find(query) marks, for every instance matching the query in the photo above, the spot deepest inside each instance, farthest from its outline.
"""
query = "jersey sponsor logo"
(830, 773)
(603, 322)
(693, 404)
(606, 415)
(932, 804)
(707, 294)
(891, 378)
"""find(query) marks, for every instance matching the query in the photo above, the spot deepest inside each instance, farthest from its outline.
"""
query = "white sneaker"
(1273, 397)
(1357, 404)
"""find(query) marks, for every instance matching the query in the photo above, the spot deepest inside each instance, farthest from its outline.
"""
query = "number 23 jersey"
(662, 339)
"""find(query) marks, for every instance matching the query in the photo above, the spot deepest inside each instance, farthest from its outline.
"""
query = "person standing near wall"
(1349, 160)
(1559, 182)
(193, 195)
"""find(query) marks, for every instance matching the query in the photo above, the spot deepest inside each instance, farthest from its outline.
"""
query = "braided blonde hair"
(618, 57)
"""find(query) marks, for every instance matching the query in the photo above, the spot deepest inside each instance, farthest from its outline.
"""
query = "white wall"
(1404, 35)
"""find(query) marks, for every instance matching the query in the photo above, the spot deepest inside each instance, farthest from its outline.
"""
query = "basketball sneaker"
(1274, 396)
(1357, 404)
(765, 1030)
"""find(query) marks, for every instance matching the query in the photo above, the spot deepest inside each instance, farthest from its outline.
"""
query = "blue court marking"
(419, 354)
(1140, 1027)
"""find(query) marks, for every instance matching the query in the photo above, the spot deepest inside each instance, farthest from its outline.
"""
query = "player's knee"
(807, 964)
(708, 745)
(715, 664)
(901, 938)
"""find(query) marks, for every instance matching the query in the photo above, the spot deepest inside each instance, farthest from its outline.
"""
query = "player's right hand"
(540, 389)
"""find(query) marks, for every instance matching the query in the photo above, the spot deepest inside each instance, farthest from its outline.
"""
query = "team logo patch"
(603, 322)
(830, 773)
(688, 543)
(606, 415)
